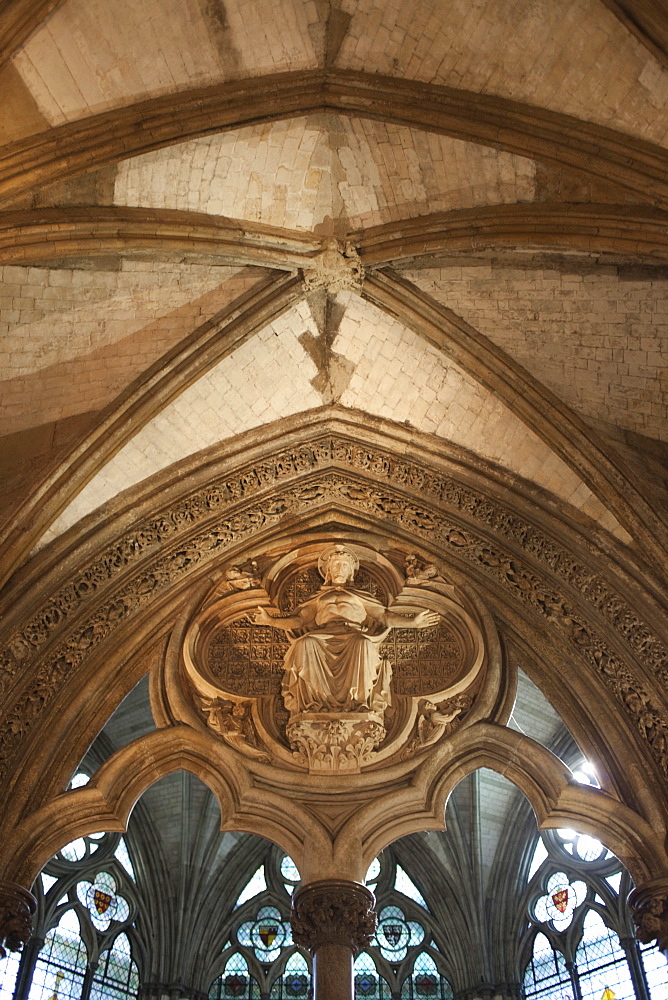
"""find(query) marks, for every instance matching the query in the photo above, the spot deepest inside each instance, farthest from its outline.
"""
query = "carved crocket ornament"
(17, 907)
(333, 911)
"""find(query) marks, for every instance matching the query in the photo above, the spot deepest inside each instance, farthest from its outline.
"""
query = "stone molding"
(160, 550)
(333, 911)
(47, 233)
(649, 907)
(69, 149)
(17, 908)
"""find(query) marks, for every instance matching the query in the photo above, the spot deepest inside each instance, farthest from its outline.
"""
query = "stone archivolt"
(571, 598)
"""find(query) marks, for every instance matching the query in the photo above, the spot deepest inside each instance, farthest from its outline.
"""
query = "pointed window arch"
(61, 964)
(368, 982)
(235, 981)
(546, 976)
(295, 982)
(425, 980)
(116, 977)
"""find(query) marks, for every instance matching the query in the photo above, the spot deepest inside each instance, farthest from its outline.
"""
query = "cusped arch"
(105, 803)
(547, 783)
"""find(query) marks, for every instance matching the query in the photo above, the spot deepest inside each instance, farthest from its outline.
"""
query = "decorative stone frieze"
(333, 911)
(17, 908)
(571, 598)
(649, 907)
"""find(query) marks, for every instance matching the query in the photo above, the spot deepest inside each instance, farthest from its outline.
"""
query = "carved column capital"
(17, 907)
(333, 911)
(649, 907)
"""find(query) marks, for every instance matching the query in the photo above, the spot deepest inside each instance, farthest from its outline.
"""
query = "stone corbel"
(333, 911)
(649, 907)
(17, 908)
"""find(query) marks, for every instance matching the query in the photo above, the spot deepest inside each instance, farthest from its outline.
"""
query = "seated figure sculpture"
(335, 666)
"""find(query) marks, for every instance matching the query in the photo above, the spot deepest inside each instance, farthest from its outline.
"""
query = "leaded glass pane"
(116, 975)
(61, 963)
(236, 981)
(295, 983)
(289, 870)
(425, 981)
(546, 975)
(367, 981)
(268, 934)
(9, 968)
(601, 963)
(656, 971)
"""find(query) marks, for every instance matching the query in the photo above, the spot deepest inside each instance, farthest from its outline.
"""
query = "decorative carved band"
(333, 911)
(17, 907)
(649, 907)
(168, 546)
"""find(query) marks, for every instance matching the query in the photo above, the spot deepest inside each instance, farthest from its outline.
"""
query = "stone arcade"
(376, 287)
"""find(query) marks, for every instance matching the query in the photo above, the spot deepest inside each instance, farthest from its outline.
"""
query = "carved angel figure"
(335, 666)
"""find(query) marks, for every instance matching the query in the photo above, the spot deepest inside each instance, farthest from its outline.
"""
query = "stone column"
(649, 908)
(17, 907)
(333, 919)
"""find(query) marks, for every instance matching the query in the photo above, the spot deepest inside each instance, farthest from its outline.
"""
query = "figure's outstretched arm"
(424, 619)
(262, 617)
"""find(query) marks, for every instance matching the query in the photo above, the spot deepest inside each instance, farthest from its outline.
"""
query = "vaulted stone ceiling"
(116, 261)
(171, 171)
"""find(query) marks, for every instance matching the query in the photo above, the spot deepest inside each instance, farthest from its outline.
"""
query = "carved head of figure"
(338, 564)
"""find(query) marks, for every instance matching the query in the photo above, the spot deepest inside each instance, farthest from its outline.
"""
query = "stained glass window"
(404, 883)
(395, 934)
(295, 982)
(582, 847)
(290, 874)
(62, 962)
(235, 981)
(116, 977)
(368, 983)
(103, 901)
(268, 934)
(255, 885)
(560, 901)
(600, 961)
(546, 975)
(425, 981)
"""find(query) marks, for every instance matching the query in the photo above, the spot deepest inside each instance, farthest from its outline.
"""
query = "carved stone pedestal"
(333, 919)
(331, 742)
(17, 907)
(649, 906)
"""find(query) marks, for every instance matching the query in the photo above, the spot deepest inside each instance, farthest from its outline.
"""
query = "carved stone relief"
(215, 509)
(341, 705)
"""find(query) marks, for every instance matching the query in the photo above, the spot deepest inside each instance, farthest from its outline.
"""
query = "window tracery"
(581, 940)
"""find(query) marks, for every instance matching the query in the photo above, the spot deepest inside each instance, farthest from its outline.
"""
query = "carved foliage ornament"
(333, 911)
(161, 534)
(17, 907)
